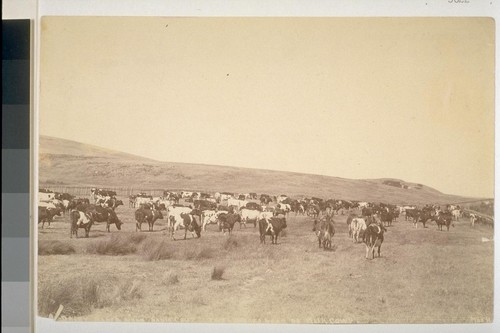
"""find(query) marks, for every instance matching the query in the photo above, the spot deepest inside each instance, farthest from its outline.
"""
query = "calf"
(374, 237)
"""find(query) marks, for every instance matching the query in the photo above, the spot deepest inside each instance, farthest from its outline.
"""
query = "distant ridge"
(67, 162)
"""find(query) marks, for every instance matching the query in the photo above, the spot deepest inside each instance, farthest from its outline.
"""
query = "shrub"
(217, 273)
(51, 247)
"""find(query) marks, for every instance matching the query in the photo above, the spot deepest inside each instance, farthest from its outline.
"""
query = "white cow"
(281, 198)
(456, 214)
(207, 217)
(248, 215)
(284, 207)
(175, 221)
(142, 200)
(46, 197)
(237, 203)
(473, 219)
(357, 226)
(48, 205)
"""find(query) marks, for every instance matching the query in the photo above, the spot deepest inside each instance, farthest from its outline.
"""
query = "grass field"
(423, 276)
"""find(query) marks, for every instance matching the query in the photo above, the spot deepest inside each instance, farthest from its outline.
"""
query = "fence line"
(120, 190)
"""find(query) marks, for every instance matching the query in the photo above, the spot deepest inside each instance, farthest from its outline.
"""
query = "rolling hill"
(65, 162)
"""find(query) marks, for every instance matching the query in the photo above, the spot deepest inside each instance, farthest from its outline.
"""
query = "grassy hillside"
(64, 162)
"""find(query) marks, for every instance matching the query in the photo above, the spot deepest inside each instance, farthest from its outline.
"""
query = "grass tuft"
(118, 244)
(154, 250)
(52, 247)
(80, 295)
(218, 272)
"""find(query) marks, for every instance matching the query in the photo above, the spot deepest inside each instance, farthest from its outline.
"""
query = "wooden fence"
(84, 191)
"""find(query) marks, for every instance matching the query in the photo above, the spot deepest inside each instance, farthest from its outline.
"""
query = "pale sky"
(406, 98)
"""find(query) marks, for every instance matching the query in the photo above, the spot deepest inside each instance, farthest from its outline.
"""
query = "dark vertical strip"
(16, 44)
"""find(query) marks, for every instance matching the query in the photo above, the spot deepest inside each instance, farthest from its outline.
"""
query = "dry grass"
(154, 250)
(118, 244)
(81, 294)
(51, 247)
(420, 273)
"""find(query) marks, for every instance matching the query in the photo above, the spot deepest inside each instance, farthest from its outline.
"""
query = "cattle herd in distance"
(367, 222)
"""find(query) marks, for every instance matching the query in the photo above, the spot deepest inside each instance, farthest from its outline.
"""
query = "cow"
(254, 206)
(387, 217)
(146, 215)
(142, 200)
(349, 220)
(45, 196)
(265, 215)
(473, 219)
(265, 199)
(237, 203)
(273, 228)
(175, 220)
(281, 198)
(227, 221)
(47, 214)
(357, 229)
(374, 237)
(422, 216)
(189, 222)
(325, 230)
(313, 211)
(102, 214)
(204, 205)
(248, 215)
(456, 213)
(78, 220)
(284, 207)
(208, 217)
(411, 214)
(444, 219)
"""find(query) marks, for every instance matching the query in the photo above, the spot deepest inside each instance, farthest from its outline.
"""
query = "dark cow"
(253, 206)
(313, 211)
(422, 216)
(411, 214)
(102, 214)
(265, 199)
(325, 230)
(205, 205)
(277, 223)
(146, 215)
(227, 221)
(74, 217)
(444, 219)
(47, 214)
(113, 203)
(374, 237)
(387, 217)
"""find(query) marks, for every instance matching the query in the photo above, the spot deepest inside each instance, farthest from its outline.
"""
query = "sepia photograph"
(266, 170)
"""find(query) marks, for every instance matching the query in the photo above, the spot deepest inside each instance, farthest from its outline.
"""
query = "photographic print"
(289, 170)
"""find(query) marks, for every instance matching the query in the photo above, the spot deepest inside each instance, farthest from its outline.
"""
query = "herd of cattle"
(226, 209)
